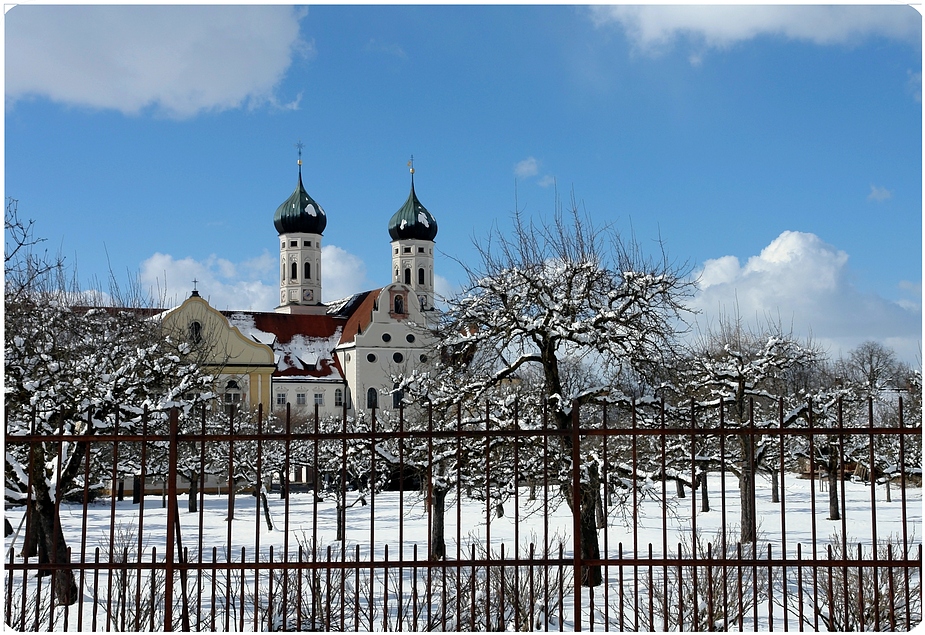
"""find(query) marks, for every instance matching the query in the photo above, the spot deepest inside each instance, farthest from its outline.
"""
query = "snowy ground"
(400, 524)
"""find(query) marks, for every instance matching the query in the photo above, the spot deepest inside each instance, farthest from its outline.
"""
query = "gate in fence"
(634, 518)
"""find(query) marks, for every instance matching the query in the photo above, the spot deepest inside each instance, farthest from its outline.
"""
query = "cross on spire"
(299, 146)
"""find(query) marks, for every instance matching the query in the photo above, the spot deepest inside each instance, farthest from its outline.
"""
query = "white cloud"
(879, 194)
(249, 285)
(653, 28)
(801, 281)
(343, 274)
(526, 168)
(914, 85)
(178, 60)
(223, 283)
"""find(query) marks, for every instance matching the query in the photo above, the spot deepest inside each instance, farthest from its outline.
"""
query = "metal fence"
(482, 520)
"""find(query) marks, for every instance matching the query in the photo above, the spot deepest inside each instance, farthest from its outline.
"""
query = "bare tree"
(548, 293)
(747, 370)
(74, 370)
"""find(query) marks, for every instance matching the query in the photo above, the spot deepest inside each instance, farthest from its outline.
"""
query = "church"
(340, 357)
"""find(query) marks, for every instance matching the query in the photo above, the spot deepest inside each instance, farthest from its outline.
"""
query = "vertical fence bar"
(171, 518)
(140, 495)
(257, 500)
(112, 520)
(695, 622)
(812, 510)
(871, 474)
(576, 513)
(783, 513)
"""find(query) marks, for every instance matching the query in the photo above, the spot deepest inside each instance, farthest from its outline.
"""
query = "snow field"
(398, 592)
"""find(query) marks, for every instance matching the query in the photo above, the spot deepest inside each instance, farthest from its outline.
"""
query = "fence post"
(171, 519)
(576, 513)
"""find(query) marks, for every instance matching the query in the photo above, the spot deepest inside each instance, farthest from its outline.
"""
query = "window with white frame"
(300, 399)
(338, 398)
(280, 399)
(319, 398)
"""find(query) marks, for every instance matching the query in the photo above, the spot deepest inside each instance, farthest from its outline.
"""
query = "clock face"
(308, 295)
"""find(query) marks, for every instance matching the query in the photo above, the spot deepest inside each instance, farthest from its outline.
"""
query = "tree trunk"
(266, 509)
(834, 470)
(587, 506)
(886, 484)
(749, 520)
(437, 538)
(193, 505)
(283, 486)
(679, 488)
(591, 576)
(704, 493)
(775, 486)
(232, 487)
(46, 537)
(589, 493)
(341, 520)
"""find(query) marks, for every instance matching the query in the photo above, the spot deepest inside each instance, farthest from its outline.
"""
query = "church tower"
(413, 230)
(300, 222)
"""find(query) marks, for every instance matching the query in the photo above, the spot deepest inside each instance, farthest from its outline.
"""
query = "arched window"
(232, 397)
(308, 271)
(397, 396)
(338, 398)
(282, 272)
(400, 304)
(421, 275)
(195, 332)
(372, 398)
(407, 276)
(295, 271)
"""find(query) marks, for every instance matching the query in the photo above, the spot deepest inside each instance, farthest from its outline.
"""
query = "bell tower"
(300, 221)
(413, 230)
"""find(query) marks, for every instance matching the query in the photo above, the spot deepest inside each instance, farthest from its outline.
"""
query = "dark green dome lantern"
(300, 214)
(412, 221)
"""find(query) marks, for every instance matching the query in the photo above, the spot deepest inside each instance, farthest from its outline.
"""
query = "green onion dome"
(300, 214)
(412, 221)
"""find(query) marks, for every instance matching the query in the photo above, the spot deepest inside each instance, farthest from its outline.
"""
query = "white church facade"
(339, 357)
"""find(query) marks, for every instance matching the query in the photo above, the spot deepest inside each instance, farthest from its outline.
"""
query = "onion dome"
(300, 214)
(412, 221)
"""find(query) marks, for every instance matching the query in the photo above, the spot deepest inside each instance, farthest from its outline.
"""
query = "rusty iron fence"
(481, 520)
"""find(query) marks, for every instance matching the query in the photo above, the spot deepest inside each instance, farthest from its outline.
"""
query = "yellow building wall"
(223, 350)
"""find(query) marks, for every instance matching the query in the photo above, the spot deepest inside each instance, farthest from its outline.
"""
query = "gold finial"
(411, 164)
(300, 145)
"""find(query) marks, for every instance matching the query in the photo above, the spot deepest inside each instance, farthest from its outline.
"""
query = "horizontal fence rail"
(630, 518)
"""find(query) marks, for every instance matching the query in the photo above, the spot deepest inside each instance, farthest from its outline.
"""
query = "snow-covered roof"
(303, 345)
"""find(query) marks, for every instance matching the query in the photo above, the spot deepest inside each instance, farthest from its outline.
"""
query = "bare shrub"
(704, 597)
(874, 594)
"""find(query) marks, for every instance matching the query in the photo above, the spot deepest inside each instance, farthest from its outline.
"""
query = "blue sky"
(777, 150)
